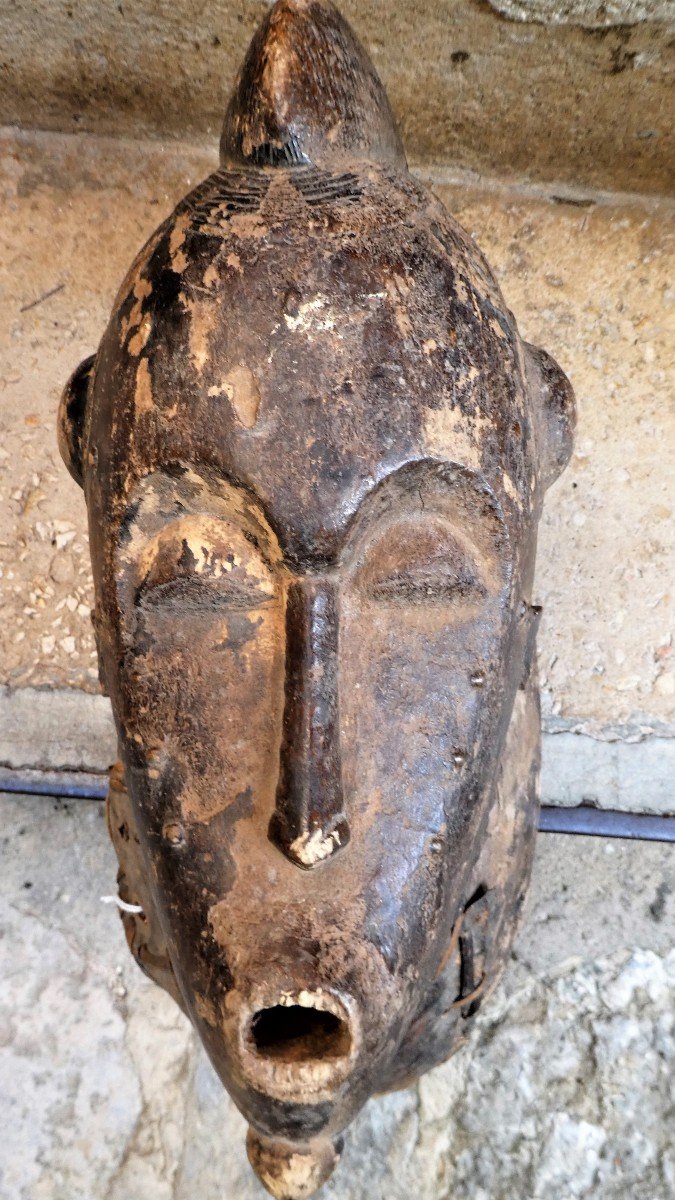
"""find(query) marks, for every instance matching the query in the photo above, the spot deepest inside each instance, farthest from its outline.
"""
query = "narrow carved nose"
(309, 823)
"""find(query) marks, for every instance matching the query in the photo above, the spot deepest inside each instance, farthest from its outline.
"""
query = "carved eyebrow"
(160, 512)
(410, 488)
(206, 539)
(196, 576)
(211, 557)
(175, 488)
(429, 486)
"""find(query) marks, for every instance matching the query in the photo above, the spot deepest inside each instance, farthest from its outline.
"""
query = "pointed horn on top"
(308, 93)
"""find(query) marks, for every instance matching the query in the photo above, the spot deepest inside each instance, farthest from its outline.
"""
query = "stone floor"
(564, 1093)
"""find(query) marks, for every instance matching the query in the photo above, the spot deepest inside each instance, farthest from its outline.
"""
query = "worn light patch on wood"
(314, 449)
(241, 389)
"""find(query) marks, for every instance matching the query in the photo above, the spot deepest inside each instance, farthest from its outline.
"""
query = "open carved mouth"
(297, 1034)
(300, 1048)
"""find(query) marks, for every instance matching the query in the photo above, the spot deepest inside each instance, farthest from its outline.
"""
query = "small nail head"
(174, 833)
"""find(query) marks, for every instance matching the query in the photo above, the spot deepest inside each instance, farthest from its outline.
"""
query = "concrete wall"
(581, 91)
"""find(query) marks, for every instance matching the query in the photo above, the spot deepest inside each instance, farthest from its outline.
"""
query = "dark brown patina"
(314, 450)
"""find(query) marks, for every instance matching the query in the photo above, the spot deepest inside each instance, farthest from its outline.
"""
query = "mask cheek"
(203, 698)
(434, 679)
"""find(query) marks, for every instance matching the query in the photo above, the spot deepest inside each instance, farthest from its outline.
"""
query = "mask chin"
(72, 416)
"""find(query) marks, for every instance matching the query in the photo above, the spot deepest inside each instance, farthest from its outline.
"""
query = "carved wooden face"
(314, 450)
(346, 718)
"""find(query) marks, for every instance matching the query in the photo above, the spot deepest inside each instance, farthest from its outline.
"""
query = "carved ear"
(70, 421)
(555, 412)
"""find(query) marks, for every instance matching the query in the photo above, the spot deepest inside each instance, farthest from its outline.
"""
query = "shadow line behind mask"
(314, 450)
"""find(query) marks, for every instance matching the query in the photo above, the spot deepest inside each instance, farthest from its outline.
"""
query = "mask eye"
(186, 574)
(430, 584)
(419, 563)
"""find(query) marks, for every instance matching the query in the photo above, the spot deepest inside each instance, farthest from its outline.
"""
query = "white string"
(122, 904)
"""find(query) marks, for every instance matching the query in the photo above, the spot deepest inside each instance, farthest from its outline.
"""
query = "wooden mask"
(314, 450)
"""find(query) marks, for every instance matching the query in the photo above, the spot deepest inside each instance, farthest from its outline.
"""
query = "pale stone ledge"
(589, 14)
(631, 776)
(64, 730)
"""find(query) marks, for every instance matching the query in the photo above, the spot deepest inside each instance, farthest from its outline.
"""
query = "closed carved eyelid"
(200, 577)
(422, 563)
(192, 592)
(430, 584)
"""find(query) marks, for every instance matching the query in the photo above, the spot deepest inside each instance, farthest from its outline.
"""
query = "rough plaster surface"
(593, 284)
(541, 100)
(563, 1093)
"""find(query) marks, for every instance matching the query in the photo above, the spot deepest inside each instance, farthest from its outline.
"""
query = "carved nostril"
(295, 1034)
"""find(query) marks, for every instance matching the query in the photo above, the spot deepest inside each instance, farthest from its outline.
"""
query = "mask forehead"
(360, 358)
